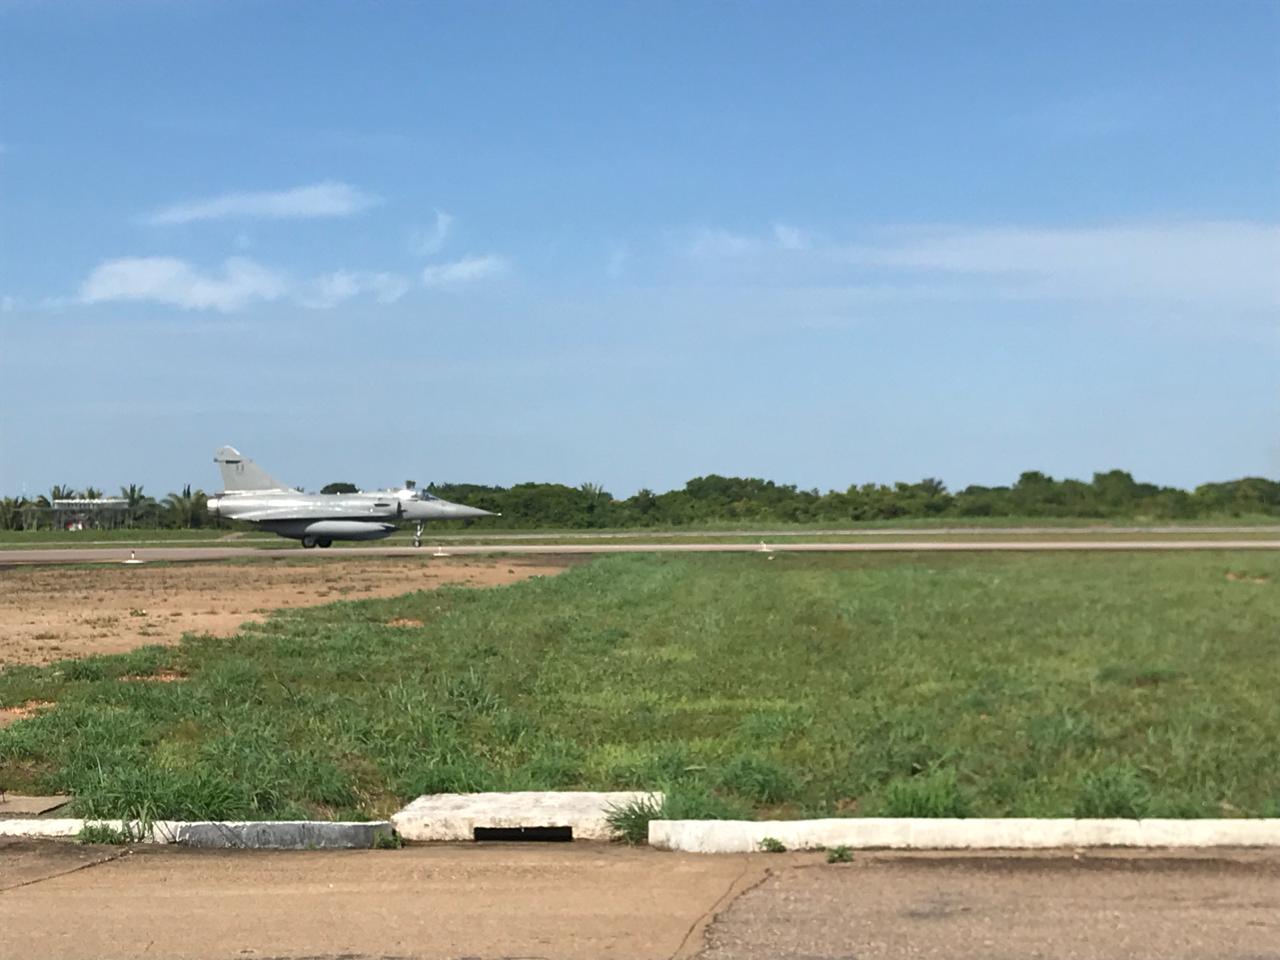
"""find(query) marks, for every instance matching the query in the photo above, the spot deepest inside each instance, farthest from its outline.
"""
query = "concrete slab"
(50, 829)
(16, 805)
(258, 835)
(570, 901)
(455, 816)
(281, 835)
(871, 833)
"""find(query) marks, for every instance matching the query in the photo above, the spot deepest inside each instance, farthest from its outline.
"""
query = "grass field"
(992, 685)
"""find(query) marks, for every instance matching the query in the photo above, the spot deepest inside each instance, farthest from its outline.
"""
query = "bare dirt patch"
(1246, 578)
(404, 622)
(164, 676)
(57, 613)
(10, 715)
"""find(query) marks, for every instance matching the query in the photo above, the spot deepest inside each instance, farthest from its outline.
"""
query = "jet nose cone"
(466, 513)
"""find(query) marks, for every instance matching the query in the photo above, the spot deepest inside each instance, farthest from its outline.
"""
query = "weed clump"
(1116, 791)
(840, 854)
(758, 779)
(934, 794)
(630, 822)
(104, 833)
(387, 841)
(681, 801)
(772, 845)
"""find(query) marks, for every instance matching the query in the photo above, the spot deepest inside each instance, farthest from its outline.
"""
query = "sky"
(635, 243)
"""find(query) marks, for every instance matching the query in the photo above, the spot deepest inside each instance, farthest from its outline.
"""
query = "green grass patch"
(905, 684)
(103, 833)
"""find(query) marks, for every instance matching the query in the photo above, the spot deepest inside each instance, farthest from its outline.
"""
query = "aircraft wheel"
(417, 542)
(324, 543)
(308, 542)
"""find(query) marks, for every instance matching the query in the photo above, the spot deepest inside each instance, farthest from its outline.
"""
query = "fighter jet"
(317, 519)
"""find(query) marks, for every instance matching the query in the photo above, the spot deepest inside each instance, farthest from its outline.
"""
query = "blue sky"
(636, 243)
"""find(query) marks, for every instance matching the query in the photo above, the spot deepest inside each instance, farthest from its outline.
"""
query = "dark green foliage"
(747, 500)
(740, 501)
(339, 488)
(772, 845)
(840, 854)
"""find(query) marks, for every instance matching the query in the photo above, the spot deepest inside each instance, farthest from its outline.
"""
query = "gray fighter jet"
(318, 519)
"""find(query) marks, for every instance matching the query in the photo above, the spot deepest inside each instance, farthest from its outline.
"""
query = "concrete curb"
(742, 836)
(251, 834)
(456, 816)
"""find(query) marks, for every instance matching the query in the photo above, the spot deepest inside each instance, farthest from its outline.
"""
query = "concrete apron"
(545, 814)
(871, 833)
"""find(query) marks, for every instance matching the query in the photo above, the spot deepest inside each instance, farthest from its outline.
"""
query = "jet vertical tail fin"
(240, 473)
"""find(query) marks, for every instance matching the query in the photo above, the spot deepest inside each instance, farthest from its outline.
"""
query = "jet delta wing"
(317, 519)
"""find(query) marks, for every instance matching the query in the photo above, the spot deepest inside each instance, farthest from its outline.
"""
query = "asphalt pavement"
(188, 554)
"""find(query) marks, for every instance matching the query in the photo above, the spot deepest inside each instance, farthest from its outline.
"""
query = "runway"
(190, 554)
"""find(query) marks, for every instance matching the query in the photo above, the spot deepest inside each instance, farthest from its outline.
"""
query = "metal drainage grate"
(525, 834)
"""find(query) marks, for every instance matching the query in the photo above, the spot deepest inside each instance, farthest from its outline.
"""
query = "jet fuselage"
(317, 519)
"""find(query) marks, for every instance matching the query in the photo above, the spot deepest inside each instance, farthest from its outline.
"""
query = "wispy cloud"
(711, 243)
(426, 243)
(343, 285)
(327, 199)
(1203, 261)
(464, 271)
(617, 265)
(714, 242)
(176, 283)
(239, 283)
(1220, 262)
(790, 238)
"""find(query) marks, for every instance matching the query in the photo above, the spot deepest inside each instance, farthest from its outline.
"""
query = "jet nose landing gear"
(417, 535)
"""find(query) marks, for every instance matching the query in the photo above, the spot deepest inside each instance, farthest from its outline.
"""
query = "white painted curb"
(743, 836)
(248, 834)
(455, 816)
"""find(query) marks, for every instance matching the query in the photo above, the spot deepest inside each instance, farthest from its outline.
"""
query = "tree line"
(713, 499)
(179, 509)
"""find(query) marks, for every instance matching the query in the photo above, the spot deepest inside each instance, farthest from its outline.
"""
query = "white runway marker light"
(133, 558)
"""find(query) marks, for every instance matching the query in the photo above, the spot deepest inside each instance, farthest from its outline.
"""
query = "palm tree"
(33, 510)
(61, 492)
(177, 507)
(186, 509)
(92, 493)
(140, 505)
(10, 513)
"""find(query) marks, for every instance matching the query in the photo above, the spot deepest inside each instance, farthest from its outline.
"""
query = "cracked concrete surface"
(583, 900)
(1100, 905)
